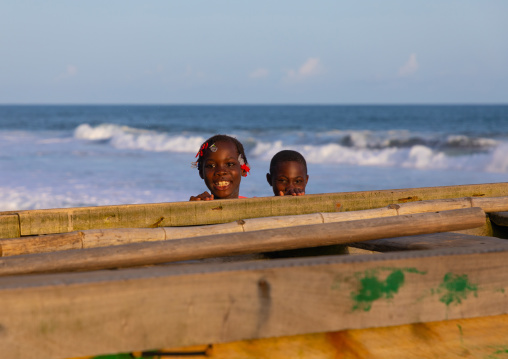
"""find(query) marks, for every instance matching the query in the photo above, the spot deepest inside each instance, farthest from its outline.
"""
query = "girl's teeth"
(222, 183)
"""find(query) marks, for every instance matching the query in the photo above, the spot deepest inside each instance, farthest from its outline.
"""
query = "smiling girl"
(221, 164)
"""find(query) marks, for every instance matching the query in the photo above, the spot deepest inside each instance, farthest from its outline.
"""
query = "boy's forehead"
(290, 167)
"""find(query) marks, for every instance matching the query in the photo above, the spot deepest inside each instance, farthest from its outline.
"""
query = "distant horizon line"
(261, 104)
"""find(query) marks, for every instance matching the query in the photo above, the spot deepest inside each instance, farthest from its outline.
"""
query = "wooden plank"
(483, 337)
(77, 314)
(499, 218)
(9, 226)
(429, 241)
(46, 221)
(114, 236)
(477, 338)
(268, 240)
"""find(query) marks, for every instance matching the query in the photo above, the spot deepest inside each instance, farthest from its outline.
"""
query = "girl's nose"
(220, 170)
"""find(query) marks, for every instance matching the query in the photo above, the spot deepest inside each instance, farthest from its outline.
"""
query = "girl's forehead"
(224, 149)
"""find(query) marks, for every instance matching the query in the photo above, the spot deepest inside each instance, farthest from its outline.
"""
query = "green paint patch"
(499, 352)
(372, 288)
(455, 289)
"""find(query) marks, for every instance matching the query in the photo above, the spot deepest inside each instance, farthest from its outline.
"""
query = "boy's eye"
(298, 181)
(282, 180)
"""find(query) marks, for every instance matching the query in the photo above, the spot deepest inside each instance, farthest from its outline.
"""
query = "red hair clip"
(204, 147)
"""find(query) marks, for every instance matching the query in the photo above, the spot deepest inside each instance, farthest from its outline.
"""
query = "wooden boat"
(425, 278)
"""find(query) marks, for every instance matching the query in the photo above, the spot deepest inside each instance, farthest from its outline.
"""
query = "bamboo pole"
(108, 237)
(62, 220)
(138, 254)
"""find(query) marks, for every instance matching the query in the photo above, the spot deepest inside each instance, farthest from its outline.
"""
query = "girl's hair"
(207, 145)
(287, 156)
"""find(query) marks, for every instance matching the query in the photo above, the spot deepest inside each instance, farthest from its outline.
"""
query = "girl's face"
(222, 172)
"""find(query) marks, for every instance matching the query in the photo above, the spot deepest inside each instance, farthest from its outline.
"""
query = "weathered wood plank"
(483, 337)
(429, 241)
(94, 238)
(212, 212)
(9, 226)
(77, 314)
(268, 240)
(499, 218)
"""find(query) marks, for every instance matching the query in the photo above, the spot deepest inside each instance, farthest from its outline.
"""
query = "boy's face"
(222, 172)
(288, 178)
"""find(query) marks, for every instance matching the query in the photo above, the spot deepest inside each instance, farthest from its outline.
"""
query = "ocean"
(73, 155)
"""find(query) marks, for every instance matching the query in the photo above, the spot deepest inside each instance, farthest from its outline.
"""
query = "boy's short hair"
(287, 156)
(221, 138)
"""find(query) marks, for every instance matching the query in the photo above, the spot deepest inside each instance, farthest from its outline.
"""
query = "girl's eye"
(210, 165)
(231, 164)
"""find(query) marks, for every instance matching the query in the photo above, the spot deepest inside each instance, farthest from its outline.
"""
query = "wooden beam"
(429, 241)
(34, 222)
(9, 226)
(267, 240)
(483, 337)
(94, 238)
(90, 313)
(499, 218)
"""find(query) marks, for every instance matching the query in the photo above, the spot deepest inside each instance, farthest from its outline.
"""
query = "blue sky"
(221, 52)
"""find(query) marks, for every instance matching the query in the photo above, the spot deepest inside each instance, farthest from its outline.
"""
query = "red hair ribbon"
(204, 147)
(246, 168)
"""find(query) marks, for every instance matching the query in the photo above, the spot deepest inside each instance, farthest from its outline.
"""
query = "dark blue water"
(60, 156)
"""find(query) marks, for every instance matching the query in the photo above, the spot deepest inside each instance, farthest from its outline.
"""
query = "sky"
(253, 52)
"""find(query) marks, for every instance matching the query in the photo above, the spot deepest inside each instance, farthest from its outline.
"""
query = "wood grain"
(267, 240)
(46, 221)
(429, 241)
(91, 313)
(106, 237)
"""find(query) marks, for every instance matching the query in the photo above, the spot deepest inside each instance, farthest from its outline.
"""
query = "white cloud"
(410, 67)
(310, 68)
(193, 74)
(259, 73)
(70, 71)
(156, 70)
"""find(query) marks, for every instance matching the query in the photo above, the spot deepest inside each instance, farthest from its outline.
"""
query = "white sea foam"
(417, 156)
(123, 137)
(499, 160)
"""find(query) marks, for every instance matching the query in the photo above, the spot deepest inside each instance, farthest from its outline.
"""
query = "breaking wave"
(396, 148)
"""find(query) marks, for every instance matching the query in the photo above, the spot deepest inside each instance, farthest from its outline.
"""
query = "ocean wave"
(416, 157)
(407, 139)
(13, 198)
(395, 148)
(123, 137)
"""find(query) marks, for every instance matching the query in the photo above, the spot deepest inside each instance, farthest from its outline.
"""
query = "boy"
(288, 177)
(288, 174)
